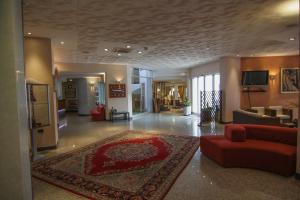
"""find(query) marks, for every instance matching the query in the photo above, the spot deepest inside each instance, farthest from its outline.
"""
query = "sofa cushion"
(100, 108)
(277, 108)
(272, 134)
(244, 117)
(283, 116)
(235, 133)
(265, 155)
(258, 145)
(249, 113)
(260, 110)
(94, 111)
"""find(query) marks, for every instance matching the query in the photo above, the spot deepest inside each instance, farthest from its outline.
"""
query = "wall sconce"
(119, 84)
(272, 77)
(119, 79)
(92, 86)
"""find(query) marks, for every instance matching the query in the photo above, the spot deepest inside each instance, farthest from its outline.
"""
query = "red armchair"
(268, 148)
(98, 113)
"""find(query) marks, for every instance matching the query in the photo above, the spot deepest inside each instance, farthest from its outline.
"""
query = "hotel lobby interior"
(149, 100)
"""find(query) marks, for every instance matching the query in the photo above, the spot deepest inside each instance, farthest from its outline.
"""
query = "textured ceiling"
(178, 33)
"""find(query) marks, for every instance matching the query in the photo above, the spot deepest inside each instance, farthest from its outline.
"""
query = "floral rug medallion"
(133, 165)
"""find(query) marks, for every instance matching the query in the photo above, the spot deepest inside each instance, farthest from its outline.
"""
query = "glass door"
(38, 111)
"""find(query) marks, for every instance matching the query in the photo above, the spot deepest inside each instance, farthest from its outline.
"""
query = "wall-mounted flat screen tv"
(253, 78)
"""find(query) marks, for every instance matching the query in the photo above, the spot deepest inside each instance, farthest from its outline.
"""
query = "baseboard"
(297, 176)
(84, 115)
(222, 122)
(47, 148)
(71, 111)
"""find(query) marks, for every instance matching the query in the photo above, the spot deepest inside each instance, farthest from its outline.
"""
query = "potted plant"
(187, 108)
(206, 114)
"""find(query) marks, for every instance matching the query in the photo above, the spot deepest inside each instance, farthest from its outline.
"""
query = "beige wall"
(39, 69)
(15, 174)
(204, 69)
(113, 74)
(170, 74)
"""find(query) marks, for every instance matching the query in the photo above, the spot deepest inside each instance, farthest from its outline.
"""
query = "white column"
(230, 84)
(15, 174)
(83, 91)
(129, 89)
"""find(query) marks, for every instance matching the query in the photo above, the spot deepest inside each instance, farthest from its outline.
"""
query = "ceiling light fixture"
(140, 52)
(237, 55)
(105, 49)
(128, 46)
(62, 42)
(207, 48)
(287, 8)
(29, 33)
(292, 38)
(119, 54)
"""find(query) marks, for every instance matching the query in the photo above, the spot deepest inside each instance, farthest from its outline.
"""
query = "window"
(194, 95)
(217, 82)
(209, 82)
(201, 83)
(201, 88)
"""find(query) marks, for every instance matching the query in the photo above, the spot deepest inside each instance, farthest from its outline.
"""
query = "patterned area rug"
(132, 165)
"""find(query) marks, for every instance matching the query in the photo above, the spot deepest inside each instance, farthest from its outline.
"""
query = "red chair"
(98, 113)
(268, 148)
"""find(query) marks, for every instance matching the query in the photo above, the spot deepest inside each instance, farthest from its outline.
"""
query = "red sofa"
(268, 148)
(98, 113)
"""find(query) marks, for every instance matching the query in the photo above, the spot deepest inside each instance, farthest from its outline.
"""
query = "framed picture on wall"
(117, 90)
(289, 80)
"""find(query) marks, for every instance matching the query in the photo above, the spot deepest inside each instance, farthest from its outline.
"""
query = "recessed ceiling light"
(105, 49)
(207, 48)
(251, 55)
(292, 38)
(237, 55)
(119, 54)
(29, 33)
(140, 52)
(128, 46)
(62, 42)
(288, 7)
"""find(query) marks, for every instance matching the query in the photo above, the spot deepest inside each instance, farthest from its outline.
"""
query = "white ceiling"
(178, 33)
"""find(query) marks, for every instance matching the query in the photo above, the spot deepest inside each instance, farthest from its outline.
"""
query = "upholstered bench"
(268, 148)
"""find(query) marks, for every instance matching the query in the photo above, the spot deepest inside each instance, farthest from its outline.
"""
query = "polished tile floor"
(202, 179)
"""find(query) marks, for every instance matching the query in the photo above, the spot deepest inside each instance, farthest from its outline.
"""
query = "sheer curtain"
(101, 93)
(195, 95)
(210, 82)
